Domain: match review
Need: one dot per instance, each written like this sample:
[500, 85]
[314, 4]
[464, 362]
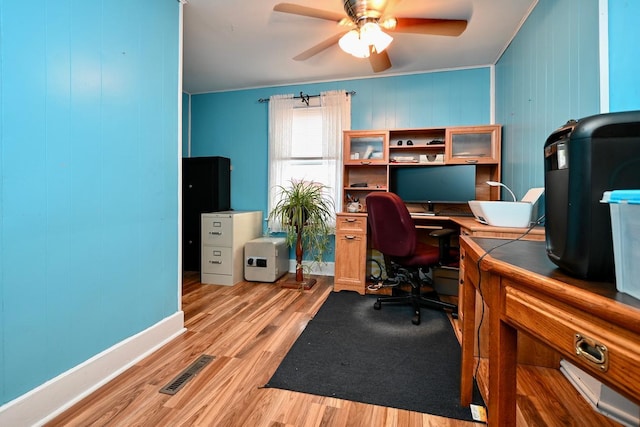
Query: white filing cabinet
[223, 237]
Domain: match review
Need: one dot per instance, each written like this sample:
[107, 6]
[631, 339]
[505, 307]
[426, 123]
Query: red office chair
[394, 234]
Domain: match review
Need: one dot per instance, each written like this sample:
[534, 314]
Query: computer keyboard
[453, 213]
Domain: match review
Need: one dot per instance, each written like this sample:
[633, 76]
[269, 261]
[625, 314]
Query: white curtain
[336, 117]
[280, 141]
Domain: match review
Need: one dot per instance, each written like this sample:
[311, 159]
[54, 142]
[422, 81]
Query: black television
[431, 185]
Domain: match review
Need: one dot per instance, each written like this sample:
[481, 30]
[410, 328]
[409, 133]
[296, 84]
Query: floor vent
[187, 374]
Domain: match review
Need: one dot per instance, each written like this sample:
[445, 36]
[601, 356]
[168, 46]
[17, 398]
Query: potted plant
[305, 212]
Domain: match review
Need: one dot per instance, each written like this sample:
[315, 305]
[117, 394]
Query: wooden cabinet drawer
[351, 224]
[610, 352]
[351, 252]
[350, 267]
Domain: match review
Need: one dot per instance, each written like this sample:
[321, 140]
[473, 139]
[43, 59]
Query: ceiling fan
[363, 34]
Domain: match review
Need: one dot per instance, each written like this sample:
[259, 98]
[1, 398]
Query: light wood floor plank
[249, 328]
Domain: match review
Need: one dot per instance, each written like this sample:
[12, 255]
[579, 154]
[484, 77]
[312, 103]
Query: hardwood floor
[249, 328]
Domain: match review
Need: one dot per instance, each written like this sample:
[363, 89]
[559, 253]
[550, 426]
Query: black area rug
[351, 351]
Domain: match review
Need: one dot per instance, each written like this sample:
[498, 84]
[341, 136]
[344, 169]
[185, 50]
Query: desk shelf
[368, 155]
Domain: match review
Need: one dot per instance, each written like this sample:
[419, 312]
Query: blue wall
[624, 55]
[89, 171]
[548, 75]
[235, 125]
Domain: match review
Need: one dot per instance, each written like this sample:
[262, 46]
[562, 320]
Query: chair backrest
[393, 231]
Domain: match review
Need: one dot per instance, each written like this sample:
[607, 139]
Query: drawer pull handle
[215, 262]
[216, 233]
[350, 220]
[471, 161]
[592, 351]
[349, 236]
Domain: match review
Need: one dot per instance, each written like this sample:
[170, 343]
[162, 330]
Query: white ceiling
[230, 45]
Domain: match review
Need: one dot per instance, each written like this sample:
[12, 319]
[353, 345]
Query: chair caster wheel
[416, 319]
[377, 305]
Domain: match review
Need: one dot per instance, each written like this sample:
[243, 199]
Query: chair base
[416, 300]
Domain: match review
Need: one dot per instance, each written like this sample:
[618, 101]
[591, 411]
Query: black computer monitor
[430, 185]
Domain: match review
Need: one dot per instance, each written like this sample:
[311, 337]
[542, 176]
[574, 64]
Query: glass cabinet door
[473, 144]
[365, 147]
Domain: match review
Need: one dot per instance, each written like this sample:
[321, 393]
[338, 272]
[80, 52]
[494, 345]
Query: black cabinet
[206, 187]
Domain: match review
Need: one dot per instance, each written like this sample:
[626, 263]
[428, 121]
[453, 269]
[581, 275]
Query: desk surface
[530, 258]
[471, 224]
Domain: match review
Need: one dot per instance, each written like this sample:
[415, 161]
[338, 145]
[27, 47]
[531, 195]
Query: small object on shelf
[431, 158]
[409, 142]
[368, 152]
[359, 184]
[353, 207]
[400, 143]
[435, 142]
[404, 159]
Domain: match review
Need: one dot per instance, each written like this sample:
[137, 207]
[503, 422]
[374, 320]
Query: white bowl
[502, 214]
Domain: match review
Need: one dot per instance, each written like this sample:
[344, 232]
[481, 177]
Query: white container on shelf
[625, 229]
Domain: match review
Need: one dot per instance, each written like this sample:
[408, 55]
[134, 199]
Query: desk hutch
[369, 155]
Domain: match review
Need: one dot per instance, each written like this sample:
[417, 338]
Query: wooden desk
[588, 323]
[352, 243]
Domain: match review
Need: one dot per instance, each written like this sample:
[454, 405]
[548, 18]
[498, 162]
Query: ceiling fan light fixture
[389, 23]
[357, 42]
[353, 44]
[372, 35]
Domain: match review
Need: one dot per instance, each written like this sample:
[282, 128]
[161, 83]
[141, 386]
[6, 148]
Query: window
[306, 161]
[305, 142]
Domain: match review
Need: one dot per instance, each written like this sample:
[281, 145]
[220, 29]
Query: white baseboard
[319, 269]
[50, 399]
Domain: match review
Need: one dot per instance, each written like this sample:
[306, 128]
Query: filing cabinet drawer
[217, 230]
[217, 260]
[351, 224]
[593, 344]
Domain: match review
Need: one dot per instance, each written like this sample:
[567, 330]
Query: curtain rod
[304, 97]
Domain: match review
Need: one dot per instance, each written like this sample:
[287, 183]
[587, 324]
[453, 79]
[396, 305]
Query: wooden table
[352, 242]
[588, 323]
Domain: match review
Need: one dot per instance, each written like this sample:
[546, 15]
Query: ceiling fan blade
[318, 48]
[311, 12]
[379, 61]
[439, 27]
[391, 4]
